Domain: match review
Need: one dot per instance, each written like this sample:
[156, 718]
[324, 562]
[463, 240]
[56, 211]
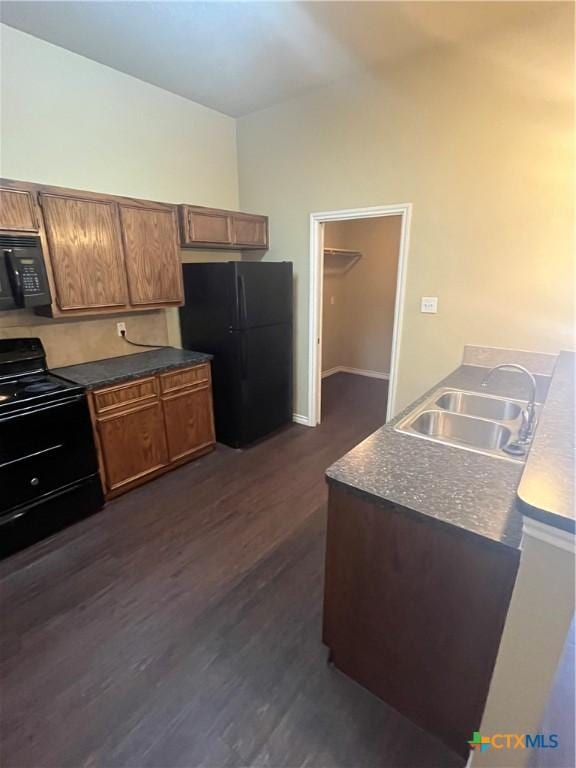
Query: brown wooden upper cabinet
[226, 230]
[17, 210]
[86, 255]
[205, 226]
[250, 231]
[106, 253]
[151, 252]
[103, 253]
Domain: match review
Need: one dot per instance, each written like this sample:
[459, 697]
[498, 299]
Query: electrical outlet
[120, 328]
[332, 300]
[429, 304]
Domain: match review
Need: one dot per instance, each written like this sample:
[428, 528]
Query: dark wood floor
[181, 626]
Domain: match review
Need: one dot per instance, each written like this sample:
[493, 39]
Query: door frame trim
[317, 220]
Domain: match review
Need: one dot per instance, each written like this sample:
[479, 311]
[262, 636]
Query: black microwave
[23, 281]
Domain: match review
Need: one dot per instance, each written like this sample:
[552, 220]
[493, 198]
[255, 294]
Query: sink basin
[473, 404]
[473, 421]
[464, 430]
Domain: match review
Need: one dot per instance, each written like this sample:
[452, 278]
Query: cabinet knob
[34, 481]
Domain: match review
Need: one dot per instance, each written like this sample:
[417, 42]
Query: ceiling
[239, 57]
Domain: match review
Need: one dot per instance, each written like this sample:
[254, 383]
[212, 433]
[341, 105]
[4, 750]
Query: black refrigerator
[241, 312]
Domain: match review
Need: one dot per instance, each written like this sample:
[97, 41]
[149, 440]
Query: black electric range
[48, 467]
[17, 392]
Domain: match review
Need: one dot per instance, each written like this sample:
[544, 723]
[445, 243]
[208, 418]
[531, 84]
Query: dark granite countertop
[546, 490]
[471, 491]
[114, 370]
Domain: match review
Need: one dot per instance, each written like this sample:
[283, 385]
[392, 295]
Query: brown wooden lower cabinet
[133, 444]
[145, 427]
[414, 611]
[189, 423]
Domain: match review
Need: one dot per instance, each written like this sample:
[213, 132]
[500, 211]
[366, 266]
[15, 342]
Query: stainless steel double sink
[483, 423]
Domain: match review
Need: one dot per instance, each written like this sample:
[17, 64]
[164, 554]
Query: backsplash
[538, 362]
[81, 340]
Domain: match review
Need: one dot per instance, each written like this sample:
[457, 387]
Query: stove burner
[42, 386]
[26, 381]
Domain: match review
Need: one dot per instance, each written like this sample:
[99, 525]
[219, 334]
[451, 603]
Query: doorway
[323, 230]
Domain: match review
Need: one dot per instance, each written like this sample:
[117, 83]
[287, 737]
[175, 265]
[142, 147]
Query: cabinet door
[208, 226]
[250, 231]
[17, 211]
[152, 257]
[189, 421]
[133, 444]
[85, 252]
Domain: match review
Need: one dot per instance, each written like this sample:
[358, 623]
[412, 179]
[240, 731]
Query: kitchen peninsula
[423, 547]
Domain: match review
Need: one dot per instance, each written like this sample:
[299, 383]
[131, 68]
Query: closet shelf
[338, 261]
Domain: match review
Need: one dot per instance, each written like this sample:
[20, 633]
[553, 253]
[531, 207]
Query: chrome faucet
[529, 413]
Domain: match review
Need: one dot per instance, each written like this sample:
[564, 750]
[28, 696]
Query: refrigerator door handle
[242, 301]
[243, 357]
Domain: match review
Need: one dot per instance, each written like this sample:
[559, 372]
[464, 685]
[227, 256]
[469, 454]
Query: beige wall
[357, 328]
[480, 140]
[69, 121]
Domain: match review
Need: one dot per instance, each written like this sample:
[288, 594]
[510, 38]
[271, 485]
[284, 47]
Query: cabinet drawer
[125, 394]
[184, 377]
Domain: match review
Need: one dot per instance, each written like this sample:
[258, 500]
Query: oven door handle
[41, 408]
[14, 516]
[31, 455]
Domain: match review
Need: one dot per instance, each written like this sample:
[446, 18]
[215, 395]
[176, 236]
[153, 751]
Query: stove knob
[34, 481]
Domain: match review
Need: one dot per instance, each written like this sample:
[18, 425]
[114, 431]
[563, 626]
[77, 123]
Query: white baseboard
[299, 419]
[331, 371]
[356, 371]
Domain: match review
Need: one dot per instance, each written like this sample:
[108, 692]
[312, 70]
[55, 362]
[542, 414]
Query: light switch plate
[429, 304]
